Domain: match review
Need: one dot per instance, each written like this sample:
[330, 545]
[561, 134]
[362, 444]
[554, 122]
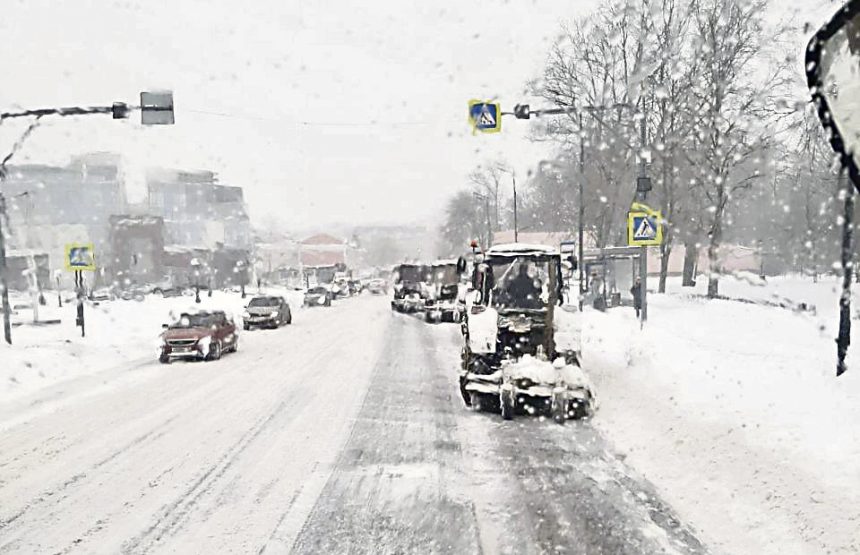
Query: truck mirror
[461, 265]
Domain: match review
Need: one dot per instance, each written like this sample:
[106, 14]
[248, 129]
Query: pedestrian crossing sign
[485, 117]
[80, 257]
[644, 228]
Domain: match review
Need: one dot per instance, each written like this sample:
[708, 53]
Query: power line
[310, 123]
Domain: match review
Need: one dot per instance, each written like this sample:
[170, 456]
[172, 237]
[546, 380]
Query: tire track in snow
[175, 513]
[51, 494]
[389, 491]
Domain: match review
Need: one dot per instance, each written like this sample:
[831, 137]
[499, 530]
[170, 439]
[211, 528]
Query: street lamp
[195, 263]
[240, 268]
[486, 199]
[514, 182]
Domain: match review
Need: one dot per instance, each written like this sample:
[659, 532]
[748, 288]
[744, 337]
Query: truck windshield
[445, 274]
[519, 282]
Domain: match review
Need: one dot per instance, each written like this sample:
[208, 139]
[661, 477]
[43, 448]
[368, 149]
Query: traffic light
[120, 110]
[521, 111]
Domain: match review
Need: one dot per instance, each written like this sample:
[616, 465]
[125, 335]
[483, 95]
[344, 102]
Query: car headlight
[246, 315]
[273, 314]
[321, 300]
[203, 343]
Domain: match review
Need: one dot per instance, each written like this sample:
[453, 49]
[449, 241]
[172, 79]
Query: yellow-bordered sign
[644, 226]
[80, 256]
[485, 116]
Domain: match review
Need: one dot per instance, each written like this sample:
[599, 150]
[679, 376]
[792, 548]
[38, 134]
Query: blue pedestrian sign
[644, 229]
[485, 117]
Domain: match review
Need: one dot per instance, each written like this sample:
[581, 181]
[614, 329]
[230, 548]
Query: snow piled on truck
[735, 404]
[545, 372]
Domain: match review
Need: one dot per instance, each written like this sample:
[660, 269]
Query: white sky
[268, 65]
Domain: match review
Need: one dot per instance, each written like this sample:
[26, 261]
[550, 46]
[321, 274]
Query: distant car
[267, 312]
[171, 292]
[377, 287]
[318, 296]
[133, 293]
[102, 294]
[198, 335]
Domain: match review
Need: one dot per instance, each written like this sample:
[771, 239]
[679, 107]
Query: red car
[200, 335]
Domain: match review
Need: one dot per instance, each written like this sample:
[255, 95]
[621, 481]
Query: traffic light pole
[155, 108]
[643, 194]
[4, 282]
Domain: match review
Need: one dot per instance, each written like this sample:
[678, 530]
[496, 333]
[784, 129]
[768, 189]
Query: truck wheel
[579, 409]
[477, 401]
[559, 407]
[507, 401]
[467, 398]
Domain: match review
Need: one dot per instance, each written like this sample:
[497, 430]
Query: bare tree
[730, 95]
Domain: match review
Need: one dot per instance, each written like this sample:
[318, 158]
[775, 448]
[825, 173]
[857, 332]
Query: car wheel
[164, 359]
[214, 351]
[246, 327]
[235, 346]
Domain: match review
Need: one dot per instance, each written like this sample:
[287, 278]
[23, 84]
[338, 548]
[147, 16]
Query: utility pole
[581, 219]
[4, 282]
[486, 199]
[516, 230]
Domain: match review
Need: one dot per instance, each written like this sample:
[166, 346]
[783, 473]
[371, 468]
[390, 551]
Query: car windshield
[200, 320]
[430, 277]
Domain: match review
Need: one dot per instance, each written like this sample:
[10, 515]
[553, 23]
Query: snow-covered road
[341, 433]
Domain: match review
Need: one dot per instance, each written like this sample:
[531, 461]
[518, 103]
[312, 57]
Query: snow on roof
[513, 249]
[322, 239]
[12, 253]
[445, 262]
[321, 258]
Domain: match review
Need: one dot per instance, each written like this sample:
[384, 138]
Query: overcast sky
[328, 111]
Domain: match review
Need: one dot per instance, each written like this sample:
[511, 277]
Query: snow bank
[734, 412]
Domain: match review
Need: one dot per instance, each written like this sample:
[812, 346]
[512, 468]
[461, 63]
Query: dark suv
[267, 312]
